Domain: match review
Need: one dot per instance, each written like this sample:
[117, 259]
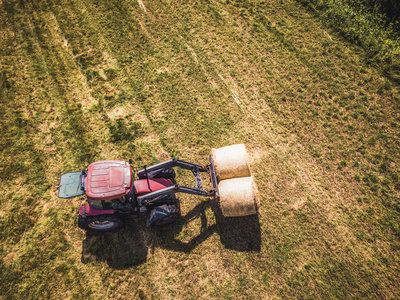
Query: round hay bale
[238, 197]
[231, 162]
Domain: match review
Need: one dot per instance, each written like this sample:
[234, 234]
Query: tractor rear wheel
[99, 223]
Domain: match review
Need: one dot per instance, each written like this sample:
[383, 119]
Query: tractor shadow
[128, 246]
[123, 248]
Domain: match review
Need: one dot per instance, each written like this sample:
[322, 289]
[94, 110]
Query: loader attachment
[71, 185]
[213, 177]
[233, 184]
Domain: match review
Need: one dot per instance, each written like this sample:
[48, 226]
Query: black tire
[173, 215]
[99, 223]
[166, 220]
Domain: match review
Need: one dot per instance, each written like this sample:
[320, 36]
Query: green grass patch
[87, 80]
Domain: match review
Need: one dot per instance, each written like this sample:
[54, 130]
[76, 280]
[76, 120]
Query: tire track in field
[241, 100]
[258, 110]
[259, 119]
[194, 55]
[289, 178]
[55, 89]
[29, 107]
[141, 4]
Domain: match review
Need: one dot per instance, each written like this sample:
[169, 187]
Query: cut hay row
[82, 81]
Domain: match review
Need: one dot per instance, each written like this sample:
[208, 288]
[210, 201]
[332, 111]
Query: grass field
[147, 79]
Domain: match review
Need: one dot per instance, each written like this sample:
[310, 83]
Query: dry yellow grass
[149, 80]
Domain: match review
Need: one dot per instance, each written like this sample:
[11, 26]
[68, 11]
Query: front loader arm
[172, 190]
[149, 172]
[170, 164]
[195, 168]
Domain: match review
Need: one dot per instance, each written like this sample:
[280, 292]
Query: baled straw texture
[231, 162]
[238, 197]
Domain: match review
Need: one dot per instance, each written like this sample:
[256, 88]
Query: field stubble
[150, 80]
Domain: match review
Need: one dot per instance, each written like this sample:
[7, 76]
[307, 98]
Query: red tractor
[113, 192]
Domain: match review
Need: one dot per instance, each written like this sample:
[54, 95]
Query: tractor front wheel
[99, 223]
[171, 218]
[163, 215]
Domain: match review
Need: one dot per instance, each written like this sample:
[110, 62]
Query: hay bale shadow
[238, 233]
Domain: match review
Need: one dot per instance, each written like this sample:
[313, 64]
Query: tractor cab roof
[108, 179]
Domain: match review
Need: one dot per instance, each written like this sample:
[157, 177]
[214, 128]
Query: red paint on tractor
[90, 211]
[141, 186]
[108, 179]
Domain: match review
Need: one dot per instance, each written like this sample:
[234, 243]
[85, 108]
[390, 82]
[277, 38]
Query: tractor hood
[71, 185]
[108, 179]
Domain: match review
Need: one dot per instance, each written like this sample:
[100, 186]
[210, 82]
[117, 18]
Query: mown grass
[89, 80]
[370, 24]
